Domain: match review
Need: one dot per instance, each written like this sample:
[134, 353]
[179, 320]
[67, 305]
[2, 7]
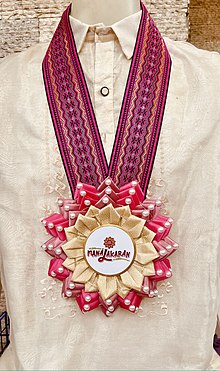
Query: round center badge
[109, 250]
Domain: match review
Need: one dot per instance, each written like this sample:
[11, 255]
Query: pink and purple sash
[141, 113]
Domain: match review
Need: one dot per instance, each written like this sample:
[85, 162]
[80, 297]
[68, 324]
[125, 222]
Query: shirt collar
[126, 31]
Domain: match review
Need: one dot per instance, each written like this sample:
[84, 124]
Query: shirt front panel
[105, 65]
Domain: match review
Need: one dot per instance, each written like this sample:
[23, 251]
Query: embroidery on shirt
[52, 307]
[159, 306]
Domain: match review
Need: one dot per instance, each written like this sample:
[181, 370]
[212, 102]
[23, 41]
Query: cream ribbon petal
[85, 224]
[145, 253]
[122, 290]
[133, 225]
[82, 272]
[148, 234]
[132, 278]
[93, 212]
[142, 240]
[76, 253]
[123, 211]
[149, 270]
[75, 243]
[107, 286]
[79, 259]
[91, 285]
[69, 264]
[70, 232]
[108, 215]
[138, 266]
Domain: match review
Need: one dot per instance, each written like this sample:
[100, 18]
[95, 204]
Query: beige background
[204, 18]
[26, 22]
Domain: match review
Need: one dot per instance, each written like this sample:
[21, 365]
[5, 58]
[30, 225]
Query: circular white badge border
[125, 270]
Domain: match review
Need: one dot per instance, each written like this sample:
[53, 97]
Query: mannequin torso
[106, 11]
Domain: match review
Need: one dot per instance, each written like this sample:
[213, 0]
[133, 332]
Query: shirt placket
[103, 91]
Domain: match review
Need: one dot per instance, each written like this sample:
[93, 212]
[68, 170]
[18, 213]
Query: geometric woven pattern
[141, 113]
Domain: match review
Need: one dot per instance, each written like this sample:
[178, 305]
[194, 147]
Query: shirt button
[104, 91]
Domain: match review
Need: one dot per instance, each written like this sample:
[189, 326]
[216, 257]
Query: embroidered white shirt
[173, 331]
